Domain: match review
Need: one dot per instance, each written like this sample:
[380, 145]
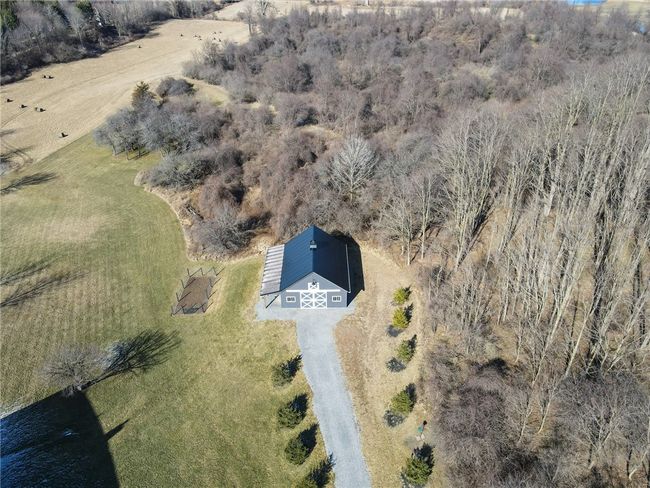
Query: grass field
[82, 93]
[206, 416]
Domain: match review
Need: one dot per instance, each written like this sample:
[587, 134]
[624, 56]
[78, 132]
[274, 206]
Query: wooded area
[38, 33]
[507, 156]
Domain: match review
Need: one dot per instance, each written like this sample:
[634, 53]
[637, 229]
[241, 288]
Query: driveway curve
[332, 403]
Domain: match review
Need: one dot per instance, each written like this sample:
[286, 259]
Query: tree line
[35, 33]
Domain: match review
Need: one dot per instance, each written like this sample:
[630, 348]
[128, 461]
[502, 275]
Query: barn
[310, 271]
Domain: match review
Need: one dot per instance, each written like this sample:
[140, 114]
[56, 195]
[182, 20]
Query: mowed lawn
[206, 416]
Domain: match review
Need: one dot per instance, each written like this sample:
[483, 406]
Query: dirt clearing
[195, 293]
[81, 94]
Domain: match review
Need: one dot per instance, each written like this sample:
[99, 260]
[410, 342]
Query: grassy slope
[207, 415]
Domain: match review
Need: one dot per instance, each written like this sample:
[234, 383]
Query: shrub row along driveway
[332, 403]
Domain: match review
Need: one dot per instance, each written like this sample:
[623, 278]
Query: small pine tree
[419, 467]
[400, 318]
[402, 403]
[291, 414]
[296, 452]
[417, 471]
[406, 350]
[141, 95]
[281, 374]
[319, 475]
[401, 295]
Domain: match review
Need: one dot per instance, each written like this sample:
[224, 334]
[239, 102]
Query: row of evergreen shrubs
[401, 405]
[419, 466]
[401, 320]
[289, 416]
[402, 314]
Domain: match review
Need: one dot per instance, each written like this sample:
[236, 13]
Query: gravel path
[332, 403]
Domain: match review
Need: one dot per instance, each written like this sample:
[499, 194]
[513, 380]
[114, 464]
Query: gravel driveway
[332, 403]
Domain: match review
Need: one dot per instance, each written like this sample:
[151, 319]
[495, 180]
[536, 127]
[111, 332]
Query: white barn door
[313, 297]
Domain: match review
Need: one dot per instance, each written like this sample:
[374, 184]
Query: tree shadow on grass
[322, 472]
[140, 353]
[308, 437]
[28, 180]
[300, 403]
[408, 310]
[30, 291]
[58, 442]
[24, 271]
[293, 365]
[394, 365]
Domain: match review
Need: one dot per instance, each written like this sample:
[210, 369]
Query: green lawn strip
[206, 417]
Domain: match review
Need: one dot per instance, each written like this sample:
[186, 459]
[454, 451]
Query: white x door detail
[313, 299]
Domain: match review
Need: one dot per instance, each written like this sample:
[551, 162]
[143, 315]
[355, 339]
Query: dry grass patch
[72, 229]
[83, 93]
[365, 347]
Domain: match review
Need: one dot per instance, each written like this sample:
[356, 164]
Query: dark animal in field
[181, 35]
[63, 134]
[22, 105]
[50, 77]
[9, 100]
[139, 46]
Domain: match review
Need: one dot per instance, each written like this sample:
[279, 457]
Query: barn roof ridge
[329, 259]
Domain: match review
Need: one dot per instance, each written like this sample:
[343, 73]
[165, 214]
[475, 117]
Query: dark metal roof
[329, 259]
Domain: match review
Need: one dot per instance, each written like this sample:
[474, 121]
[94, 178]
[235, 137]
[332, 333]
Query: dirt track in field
[83, 93]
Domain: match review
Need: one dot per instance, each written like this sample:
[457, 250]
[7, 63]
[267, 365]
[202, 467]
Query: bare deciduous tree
[73, 368]
[264, 7]
[468, 153]
[398, 216]
[225, 233]
[472, 296]
[351, 168]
